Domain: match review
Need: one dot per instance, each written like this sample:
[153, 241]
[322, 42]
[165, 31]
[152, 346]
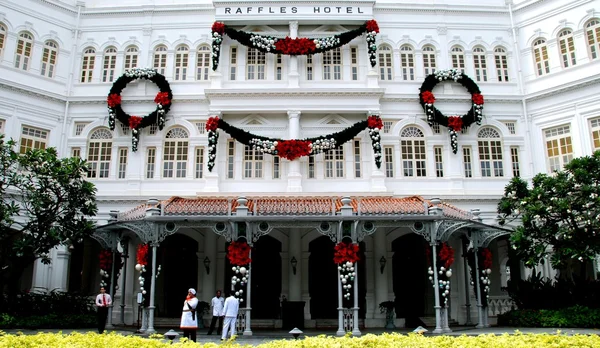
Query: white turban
[192, 291]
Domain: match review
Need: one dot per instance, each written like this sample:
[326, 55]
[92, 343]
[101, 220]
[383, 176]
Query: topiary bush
[576, 316]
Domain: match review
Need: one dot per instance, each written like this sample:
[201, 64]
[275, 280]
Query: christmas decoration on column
[141, 262]
[444, 260]
[106, 259]
[346, 256]
[484, 266]
[238, 254]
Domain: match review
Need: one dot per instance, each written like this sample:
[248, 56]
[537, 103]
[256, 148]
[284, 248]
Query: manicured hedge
[577, 316]
[49, 321]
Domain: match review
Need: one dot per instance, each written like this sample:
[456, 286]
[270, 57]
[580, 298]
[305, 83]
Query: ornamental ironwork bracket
[446, 229]
[107, 239]
[363, 229]
[260, 229]
[326, 228]
[482, 238]
[143, 229]
[223, 229]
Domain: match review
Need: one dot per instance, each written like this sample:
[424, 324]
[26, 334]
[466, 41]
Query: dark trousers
[102, 315]
[190, 334]
[212, 325]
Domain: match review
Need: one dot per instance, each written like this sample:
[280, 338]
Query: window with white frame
[278, 67]
[122, 172]
[33, 138]
[559, 147]
[566, 46]
[150, 162]
[429, 63]
[592, 30]
[230, 158]
[182, 54]
[159, 59]
[152, 129]
[480, 63]
[354, 62]
[512, 128]
[467, 162]
[514, 160]
[595, 127]
[131, 57]
[458, 58]
[199, 163]
[490, 152]
[311, 167]
[202, 62]
[233, 63]
[387, 126]
[386, 70]
[109, 64]
[388, 158]
[87, 64]
[309, 68]
[439, 161]
[175, 156]
[501, 60]
[255, 64]
[76, 152]
[49, 56]
[412, 147]
[334, 163]
[2, 122]
[79, 127]
[2, 38]
[436, 128]
[200, 126]
[253, 163]
[276, 167]
[357, 158]
[23, 51]
[99, 153]
[540, 54]
[125, 129]
[332, 64]
[407, 61]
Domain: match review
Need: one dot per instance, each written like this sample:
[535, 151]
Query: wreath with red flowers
[238, 253]
[163, 103]
[454, 123]
[293, 148]
[294, 46]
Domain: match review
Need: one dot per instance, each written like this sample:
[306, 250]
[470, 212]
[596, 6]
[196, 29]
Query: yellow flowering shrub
[516, 340]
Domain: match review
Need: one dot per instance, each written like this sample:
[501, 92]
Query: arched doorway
[84, 267]
[322, 279]
[266, 278]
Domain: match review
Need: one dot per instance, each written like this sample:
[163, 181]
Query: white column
[381, 279]
[436, 292]
[294, 247]
[209, 278]
[293, 76]
[248, 329]
[581, 47]
[341, 331]
[294, 175]
[480, 323]
[150, 329]
[355, 329]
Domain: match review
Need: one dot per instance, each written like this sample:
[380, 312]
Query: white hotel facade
[537, 63]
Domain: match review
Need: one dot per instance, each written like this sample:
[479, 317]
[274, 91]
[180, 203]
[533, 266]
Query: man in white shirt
[103, 301]
[230, 312]
[216, 303]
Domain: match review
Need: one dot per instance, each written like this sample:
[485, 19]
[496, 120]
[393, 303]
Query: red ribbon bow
[298, 46]
[447, 255]
[162, 98]
[292, 149]
[142, 254]
[477, 99]
[212, 124]
[134, 121]
[238, 253]
[374, 122]
[218, 27]
[372, 26]
[428, 97]
[113, 100]
[455, 123]
[346, 252]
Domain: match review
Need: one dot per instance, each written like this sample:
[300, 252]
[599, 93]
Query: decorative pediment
[254, 120]
[333, 119]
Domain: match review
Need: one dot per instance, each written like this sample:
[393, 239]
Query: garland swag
[454, 123]
[293, 47]
[293, 148]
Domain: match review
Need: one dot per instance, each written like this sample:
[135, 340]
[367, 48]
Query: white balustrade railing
[499, 305]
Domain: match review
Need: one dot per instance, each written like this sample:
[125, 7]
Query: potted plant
[202, 308]
[388, 307]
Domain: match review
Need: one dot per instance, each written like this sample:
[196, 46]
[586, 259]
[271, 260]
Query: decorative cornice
[579, 84]
[294, 93]
[418, 7]
[144, 10]
[30, 90]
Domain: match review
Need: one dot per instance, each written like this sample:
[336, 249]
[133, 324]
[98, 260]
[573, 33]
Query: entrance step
[429, 322]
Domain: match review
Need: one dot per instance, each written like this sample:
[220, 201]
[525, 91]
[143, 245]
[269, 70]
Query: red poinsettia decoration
[346, 252]
[162, 98]
[477, 99]
[455, 123]
[374, 122]
[372, 26]
[295, 47]
[212, 124]
[113, 100]
[134, 121]
[218, 27]
[428, 97]
[105, 258]
[238, 253]
[292, 149]
[142, 254]
[447, 255]
[487, 258]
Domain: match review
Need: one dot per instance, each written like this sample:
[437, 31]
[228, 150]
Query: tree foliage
[46, 201]
[558, 213]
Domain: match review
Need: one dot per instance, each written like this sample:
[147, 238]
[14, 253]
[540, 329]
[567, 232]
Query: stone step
[430, 322]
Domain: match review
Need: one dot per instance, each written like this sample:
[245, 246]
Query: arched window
[2, 38]
[490, 152]
[131, 57]
[480, 63]
[160, 59]
[386, 70]
[407, 61]
[412, 146]
[87, 64]
[175, 156]
[458, 58]
[429, 59]
[255, 64]
[332, 64]
[203, 63]
[501, 64]
[567, 48]
[23, 53]
[182, 54]
[49, 59]
[540, 54]
[592, 30]
[109, 64]
[99, 153]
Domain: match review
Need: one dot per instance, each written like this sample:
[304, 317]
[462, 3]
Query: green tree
[558, 214]
[45, 203]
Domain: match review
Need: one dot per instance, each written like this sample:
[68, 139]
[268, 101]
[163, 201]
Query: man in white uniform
[230, 312]
[216, 303]
[103, 301]
[189, 319]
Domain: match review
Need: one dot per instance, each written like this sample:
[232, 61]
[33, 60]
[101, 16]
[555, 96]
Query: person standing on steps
[230, 312]
[189, 320]
[217, 304]
[103, 301]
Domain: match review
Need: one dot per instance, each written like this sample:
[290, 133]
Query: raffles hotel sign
[229, 10]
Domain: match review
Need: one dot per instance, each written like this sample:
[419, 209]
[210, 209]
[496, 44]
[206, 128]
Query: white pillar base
[212, 182]
[372, 79]
[293, 80]
[378, 181]
[294, 182]
[216, 79]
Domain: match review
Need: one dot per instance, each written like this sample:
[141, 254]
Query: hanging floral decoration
[141, 257]
[484, 265]
[105, 259]
[135, 123]
[238, 254]
[293, 47]
[346, 255]
[444, 260]
[454, 123]
[293, 148]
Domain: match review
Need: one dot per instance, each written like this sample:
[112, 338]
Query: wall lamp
[294, 263]
[207, 264]
[382, 262]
